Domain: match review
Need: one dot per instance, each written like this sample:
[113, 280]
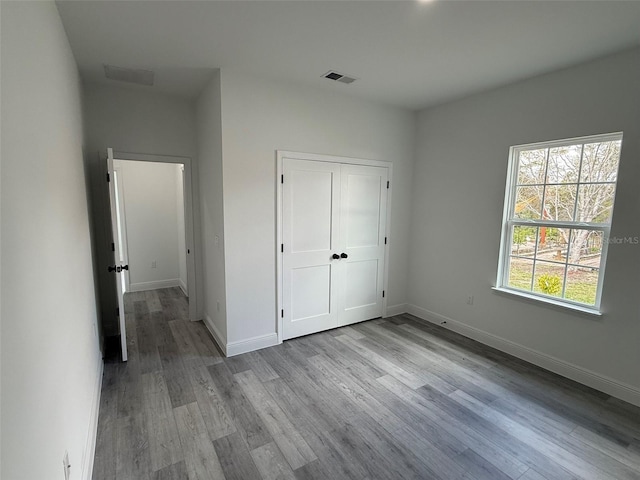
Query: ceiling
[406, 53]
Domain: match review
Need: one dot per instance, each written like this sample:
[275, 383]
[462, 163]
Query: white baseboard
[395, 310]
[183, 287]
[143, 286]
[243, 346]
[92, 435]
[579, 374]
[251, 344]
[217, 335]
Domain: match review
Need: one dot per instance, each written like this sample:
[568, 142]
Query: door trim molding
[190, 217]
[280, 156]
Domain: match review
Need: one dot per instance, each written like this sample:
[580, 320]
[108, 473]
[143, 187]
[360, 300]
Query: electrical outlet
[66, 465]
[154, 264]
[470, 300]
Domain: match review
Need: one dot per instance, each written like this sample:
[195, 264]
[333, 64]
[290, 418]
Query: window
[557, 215]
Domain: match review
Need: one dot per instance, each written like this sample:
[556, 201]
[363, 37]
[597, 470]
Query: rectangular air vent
[129, 75]
[339, 77]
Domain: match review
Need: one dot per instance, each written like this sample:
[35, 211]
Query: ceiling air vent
[129, 75]
[339, 77]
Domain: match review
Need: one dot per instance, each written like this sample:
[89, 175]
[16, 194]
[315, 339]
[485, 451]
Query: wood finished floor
[384, 399]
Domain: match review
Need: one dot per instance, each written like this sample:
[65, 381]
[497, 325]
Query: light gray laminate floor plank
[388, 398]
[249, 424]
[200, 456]
[235, 458]
[133, 442]
[177, 471]
[216, 416]
[271, 464]
[291, 444]
[164, 443]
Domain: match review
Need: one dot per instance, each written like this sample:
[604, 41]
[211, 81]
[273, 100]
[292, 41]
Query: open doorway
[153, 231]
[151, 225]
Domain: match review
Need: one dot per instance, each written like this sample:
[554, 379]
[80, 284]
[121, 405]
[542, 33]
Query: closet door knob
[335, 256]
[343, 255]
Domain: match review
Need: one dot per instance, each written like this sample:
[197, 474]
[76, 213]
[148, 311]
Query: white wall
[51, 360]
[209, 156]
[459, 184]
[182, 247]
[150, 200]
[260, 116]
[135, 121]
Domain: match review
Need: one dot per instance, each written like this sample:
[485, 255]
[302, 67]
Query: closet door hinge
[282, 248]
[108, 177]
[282, 313]
[382, 293]
[113, 247]
[385, 240]
[282, 178]
[387, 183]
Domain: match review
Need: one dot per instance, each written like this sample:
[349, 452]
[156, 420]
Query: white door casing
[331, 209]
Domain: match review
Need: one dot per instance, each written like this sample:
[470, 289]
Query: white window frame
[509, 221]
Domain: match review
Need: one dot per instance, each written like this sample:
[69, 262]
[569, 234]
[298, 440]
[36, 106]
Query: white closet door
[363, 211]
[310, 200]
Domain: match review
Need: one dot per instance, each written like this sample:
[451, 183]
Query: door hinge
[113, 247]
[282, 313]
[117, 311]
[188, 251]
[382, 293]
[387, 183]
[282, 248]
[108, 177]
[281, 178]
[385, 240]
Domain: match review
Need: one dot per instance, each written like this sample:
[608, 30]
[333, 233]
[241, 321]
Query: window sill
[550, 301]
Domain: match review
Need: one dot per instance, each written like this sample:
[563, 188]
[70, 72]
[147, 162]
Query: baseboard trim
[251, 344]
[183, 287]
[144, 286]
[217, 335]
[581, 375]
[393, 310]
[92, 434]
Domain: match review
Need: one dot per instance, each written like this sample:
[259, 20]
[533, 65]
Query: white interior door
[121, 234]
[310, 198]
[117, 267]
[363, 219]
[333, 244]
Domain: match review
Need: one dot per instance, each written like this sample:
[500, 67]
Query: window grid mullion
[575, 205]
[544, 187]
[566, 262]
[535, 258]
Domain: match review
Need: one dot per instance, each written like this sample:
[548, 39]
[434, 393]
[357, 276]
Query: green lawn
[581, 284]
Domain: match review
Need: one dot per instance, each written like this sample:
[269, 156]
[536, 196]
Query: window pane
[564, 164]
[548, 279]
[552, 244]
[595, 202]
[559, 202]
[520, 272]
[528, 202]
[600, 162]
[531, 166]
[585, 247]
[582, 285]
[523, 240]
